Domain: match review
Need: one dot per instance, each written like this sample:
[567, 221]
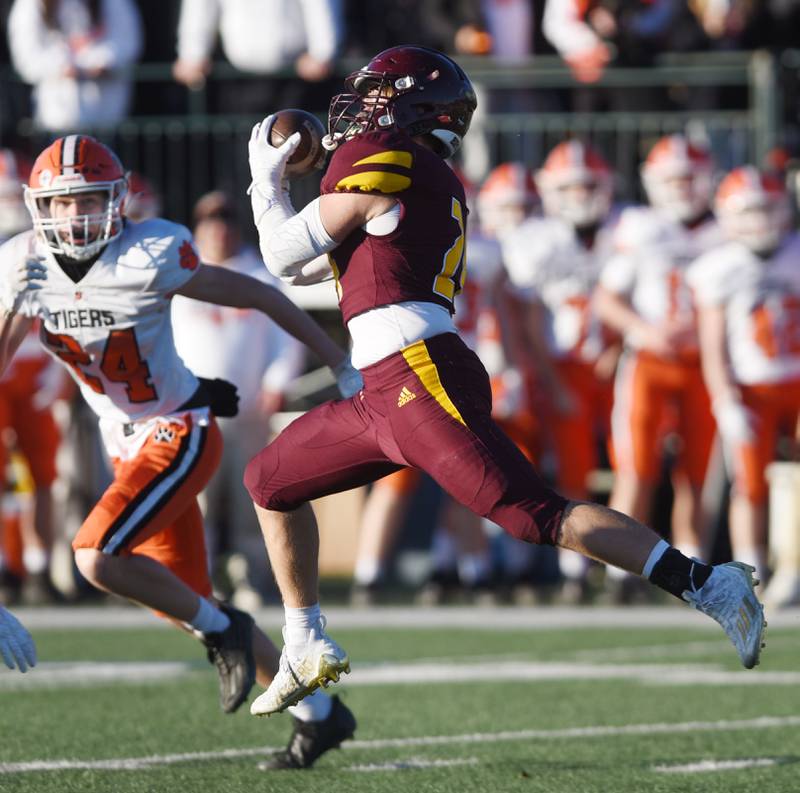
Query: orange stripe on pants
[151, 506]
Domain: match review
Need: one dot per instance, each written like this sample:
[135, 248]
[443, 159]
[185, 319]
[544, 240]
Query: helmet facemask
[78, 237]
[417, 90]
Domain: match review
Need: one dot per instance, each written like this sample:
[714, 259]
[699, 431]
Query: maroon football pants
[428, 406]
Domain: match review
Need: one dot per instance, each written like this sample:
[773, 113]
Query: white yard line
[704, 766]
[663, 728]
[83, 673]
[466, 617]
[413, 763]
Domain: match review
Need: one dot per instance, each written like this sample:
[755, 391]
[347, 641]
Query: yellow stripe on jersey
[418, 358]
[401, 158]
[379, 181]
[335, 268]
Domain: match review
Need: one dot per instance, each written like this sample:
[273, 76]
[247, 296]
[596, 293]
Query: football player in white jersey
[643, 295]
[748, 292]
[102, 288]
[246, 348]
[554, 263]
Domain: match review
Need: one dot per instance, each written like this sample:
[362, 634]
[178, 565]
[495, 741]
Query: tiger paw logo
[164, 435]
[405, 397]
[188, 256]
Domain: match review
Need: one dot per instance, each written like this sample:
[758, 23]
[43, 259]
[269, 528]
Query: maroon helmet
[416, 89]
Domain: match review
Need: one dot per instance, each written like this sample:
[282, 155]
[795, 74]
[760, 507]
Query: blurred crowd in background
[596, 319]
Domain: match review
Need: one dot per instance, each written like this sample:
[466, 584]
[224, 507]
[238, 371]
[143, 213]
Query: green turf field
[578, 709]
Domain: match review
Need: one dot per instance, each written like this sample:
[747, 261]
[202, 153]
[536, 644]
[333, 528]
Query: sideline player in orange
[554, 263]
[27, 390]
[643, 295]
[102, 288]
[390, 228]
[748, 291]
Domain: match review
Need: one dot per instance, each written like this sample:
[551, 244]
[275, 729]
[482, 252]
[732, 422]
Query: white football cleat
[728, 596]
[319, 662]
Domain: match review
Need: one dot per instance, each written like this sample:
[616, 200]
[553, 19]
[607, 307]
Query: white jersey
[484, 268]
[548, 263]
[112, 328]
[649, 267]
[761, 299]
[242, 346]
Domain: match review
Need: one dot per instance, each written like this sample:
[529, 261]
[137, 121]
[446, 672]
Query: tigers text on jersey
[649, 267]
[112, 328]
[761, 299]
[547, 262]
[422, 259]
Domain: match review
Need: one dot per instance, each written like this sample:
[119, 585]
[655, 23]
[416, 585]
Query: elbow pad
[296, 242]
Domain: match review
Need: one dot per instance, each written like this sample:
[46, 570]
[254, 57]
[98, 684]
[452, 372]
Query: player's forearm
[297, 323]
[714, 356]
[616, 312]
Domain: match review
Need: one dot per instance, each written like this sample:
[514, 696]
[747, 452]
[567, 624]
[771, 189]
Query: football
[310, 154]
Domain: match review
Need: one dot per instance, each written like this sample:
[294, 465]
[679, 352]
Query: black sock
[675, 573]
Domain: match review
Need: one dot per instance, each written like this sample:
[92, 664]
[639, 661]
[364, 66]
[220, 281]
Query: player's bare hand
[268, 163]
[26, 277]
[16, 644]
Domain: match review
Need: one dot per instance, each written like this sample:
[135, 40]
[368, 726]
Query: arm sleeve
[35, 52]
[564, 28]
[197, 29]
[324, 27]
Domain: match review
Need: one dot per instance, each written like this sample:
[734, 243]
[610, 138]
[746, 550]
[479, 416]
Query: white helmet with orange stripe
[576, 184]
[677, 176]
[78, 170]
[753, 207]
[506, 198]
[14, 171]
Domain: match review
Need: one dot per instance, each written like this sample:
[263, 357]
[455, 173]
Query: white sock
[299, 622]
[209, 619]
[315, 707]
[661, 547]
[367, 571]
[36, 560]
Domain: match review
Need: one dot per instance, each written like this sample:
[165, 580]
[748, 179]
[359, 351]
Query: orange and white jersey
[761, 299]
[112, 328]
[484, 268]
[548, 263]
[653, 253]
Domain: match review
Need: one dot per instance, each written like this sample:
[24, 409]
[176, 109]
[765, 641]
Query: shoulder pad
[374, 162]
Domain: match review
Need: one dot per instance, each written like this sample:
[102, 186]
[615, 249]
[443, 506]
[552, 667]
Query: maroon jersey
[423, 259]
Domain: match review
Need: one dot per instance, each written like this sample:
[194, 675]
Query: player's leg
[327, 450]
[451, 422]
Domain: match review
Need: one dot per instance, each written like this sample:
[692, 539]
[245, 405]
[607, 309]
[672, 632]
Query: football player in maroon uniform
[389, 228]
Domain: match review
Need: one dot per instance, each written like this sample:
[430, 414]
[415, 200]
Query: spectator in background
[251, 351]
[77, 55]
[262, 37]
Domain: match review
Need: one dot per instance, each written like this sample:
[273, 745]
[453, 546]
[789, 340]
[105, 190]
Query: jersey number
[778, 335]
[121, 363]
[450, 279]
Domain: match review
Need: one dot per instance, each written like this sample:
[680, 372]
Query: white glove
[348, 379]
[736, 423]
[26, 276]
[267, 163]
[16, 644]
